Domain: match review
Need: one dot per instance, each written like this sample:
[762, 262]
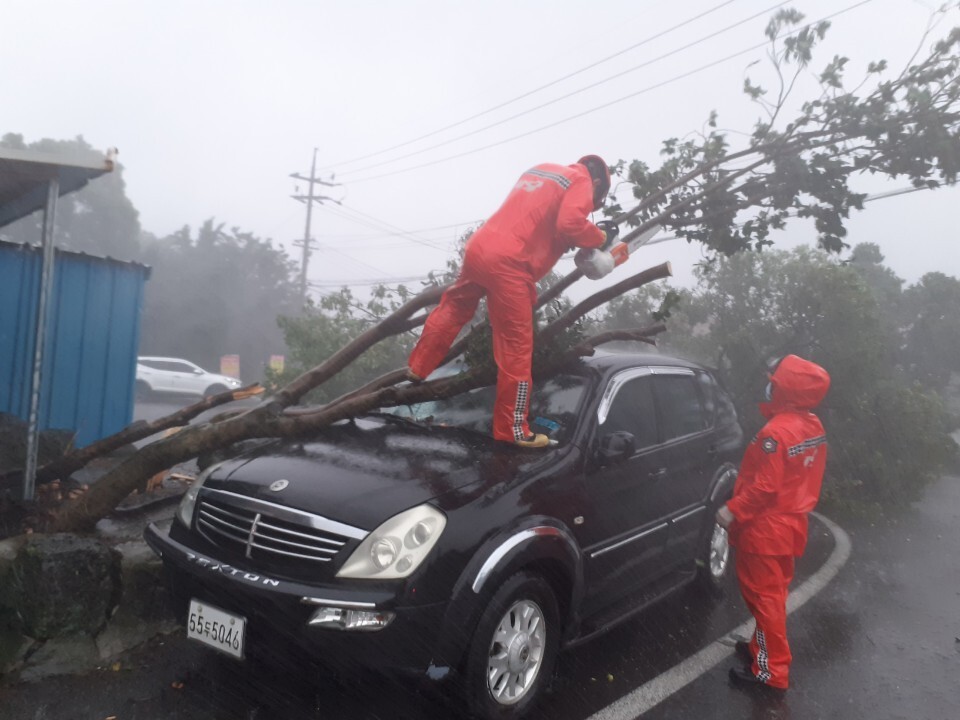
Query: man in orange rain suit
[777, 486]
[544, 216]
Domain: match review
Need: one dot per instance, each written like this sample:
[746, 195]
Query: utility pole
[309, 199]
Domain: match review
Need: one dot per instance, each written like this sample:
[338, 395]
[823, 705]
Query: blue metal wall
[91, 341]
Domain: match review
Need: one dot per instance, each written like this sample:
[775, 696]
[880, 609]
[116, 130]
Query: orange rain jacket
[544, 216]
[782, 469]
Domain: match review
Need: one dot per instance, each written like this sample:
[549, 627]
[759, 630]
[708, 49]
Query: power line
[380, 225]
[413, 278]
[868, 198]
[356, 260]
[399, 230]
[603, 81]
[368, 282]
[418, 230]
[605, 105]
[535, 90]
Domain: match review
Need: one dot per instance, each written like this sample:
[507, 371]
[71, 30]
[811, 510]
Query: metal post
[306, 232]
[46, 278]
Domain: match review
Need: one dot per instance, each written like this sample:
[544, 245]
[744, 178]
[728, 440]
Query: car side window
[708, 394]
[180, 367]
[633, 410]
[681, 411]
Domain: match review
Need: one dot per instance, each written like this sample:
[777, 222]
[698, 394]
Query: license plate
[217, 628]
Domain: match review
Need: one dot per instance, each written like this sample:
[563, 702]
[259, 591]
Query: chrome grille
[270, 533]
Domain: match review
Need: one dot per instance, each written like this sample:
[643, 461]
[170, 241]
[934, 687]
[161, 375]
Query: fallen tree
[727, 200]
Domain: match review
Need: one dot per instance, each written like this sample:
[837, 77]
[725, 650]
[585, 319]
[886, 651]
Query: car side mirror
[198, 371]
[616, 447]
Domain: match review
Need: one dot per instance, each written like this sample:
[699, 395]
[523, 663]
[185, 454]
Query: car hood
[362, 472]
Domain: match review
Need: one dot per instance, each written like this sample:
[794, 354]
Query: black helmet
[598, 171]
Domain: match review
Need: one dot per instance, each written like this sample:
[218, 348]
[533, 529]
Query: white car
[175, 375]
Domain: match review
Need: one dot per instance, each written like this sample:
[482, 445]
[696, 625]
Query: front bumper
[278, 612]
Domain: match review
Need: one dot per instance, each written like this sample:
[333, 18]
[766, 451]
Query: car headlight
[189, 499]
[398, 546]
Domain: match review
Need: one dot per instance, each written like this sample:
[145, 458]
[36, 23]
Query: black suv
[409, 540]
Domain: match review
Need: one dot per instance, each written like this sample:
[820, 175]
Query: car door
[186, 377]
[158, 375]
[686, 420]
[626, 534]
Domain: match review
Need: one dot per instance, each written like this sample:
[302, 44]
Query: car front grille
[270, 536]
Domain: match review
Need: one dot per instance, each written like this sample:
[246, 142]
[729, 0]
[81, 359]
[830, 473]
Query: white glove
[724, 517]
[595, 264]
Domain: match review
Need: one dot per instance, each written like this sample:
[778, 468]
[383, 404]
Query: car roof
[608, 361]
[156, 357]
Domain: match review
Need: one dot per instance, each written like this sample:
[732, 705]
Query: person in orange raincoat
[544, 216]
[777, 486]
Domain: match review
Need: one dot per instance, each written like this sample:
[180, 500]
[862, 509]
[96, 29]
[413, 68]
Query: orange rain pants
[764, 580]
[510, 299]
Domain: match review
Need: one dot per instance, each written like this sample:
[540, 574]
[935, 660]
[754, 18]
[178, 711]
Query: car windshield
[555, 407]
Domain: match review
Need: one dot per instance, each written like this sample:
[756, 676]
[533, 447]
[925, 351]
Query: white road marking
[679, 676]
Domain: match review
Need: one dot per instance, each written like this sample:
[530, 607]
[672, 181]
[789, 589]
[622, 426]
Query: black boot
[744, 678]
[742, 651]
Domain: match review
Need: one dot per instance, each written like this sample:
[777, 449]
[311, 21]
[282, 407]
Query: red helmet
[598, 171]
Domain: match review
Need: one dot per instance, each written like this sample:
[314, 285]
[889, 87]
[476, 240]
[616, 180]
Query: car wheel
[215, 390]
[715, 561]
[141, 390]
[514, 649]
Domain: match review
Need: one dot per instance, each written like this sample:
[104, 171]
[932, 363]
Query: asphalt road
[878, 642]
[881, 640]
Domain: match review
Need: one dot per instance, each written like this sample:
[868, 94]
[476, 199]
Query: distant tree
[932, 329]
[217, 293]
[883, 283]
[323, 328]
[888, 436]
[99, 219]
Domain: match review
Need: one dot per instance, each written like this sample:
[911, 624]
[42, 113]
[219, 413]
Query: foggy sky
[213, 104]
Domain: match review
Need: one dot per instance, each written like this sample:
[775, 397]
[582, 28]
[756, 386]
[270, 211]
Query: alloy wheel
[719, 552]
[516, 652]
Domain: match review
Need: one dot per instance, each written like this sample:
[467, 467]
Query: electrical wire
[604, 106]
[370, 282]
[367, 282]
[591, 86]
[534, 91]
[379, 225]
[390, 234]
[869, 198]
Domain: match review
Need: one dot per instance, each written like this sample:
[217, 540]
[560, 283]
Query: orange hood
[796, 384]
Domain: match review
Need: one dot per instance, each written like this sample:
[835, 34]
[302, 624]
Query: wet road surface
[881, 641]
[174, 678]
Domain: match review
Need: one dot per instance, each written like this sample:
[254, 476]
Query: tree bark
[274, 418]
[63, 466]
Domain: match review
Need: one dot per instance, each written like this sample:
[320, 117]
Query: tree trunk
[275, 419]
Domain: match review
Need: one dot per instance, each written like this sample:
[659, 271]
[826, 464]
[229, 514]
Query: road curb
[143, 612]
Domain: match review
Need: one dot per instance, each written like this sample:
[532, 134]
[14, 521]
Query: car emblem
[278, 485]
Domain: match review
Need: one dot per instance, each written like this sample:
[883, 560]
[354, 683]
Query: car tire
[715, 561]
[141, 390]
[215, 390]
[514, 649]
